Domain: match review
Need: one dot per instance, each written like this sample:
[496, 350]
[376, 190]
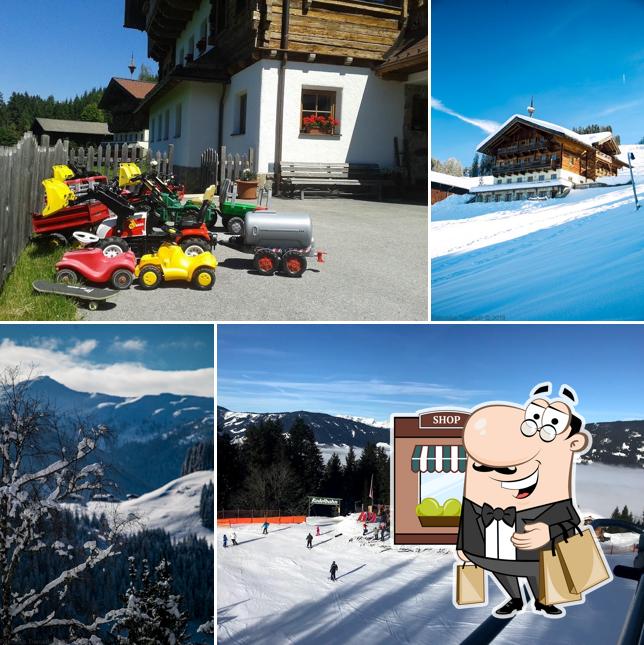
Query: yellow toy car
[171, 263]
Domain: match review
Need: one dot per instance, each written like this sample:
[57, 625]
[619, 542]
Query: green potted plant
[247, 184]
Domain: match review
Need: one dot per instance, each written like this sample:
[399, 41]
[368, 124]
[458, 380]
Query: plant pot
[247, 189]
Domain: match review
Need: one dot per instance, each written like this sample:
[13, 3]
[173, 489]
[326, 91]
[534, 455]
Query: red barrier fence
[284, 519]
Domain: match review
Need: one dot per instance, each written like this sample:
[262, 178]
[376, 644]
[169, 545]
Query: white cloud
[129, 345]
[489, 127]
[81, 348]
[120, 379]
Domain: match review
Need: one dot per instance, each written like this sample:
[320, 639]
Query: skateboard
[91, 295]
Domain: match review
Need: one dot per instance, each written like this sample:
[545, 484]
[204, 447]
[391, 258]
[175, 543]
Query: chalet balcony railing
[603, 157]
[524, 167]
[525, 147]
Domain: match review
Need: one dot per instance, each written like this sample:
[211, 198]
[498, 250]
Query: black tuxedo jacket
[471, 530]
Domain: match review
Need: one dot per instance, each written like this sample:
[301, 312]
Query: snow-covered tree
[152, 612]
[43, 464]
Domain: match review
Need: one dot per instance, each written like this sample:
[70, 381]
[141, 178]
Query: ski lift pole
[630, 167]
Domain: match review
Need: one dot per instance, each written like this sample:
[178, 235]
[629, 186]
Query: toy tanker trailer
[281, 241]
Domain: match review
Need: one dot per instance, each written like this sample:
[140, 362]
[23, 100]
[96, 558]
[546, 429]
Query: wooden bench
[331, 178]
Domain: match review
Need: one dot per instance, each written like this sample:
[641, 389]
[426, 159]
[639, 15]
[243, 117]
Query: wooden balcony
[525, 147]
[520, 167]
[603, 157]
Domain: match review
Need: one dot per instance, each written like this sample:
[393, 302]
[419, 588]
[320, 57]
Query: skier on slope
[225, 540]
[317, 531]
[364, 528]
[334, 568]
[309, 541]
[234, 539]
[265, 526]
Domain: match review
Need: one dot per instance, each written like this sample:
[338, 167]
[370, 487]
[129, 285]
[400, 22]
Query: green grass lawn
[19, 301]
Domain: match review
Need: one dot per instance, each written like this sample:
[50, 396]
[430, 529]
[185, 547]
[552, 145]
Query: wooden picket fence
[22, 169]
[218, 166]
[105, 159]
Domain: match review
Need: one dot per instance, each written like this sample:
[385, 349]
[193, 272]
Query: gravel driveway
[376, 269]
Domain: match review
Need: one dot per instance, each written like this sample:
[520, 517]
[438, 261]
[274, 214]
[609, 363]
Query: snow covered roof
[584, 139]
[451, 180]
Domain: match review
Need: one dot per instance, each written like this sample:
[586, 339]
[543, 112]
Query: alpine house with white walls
[328, 81]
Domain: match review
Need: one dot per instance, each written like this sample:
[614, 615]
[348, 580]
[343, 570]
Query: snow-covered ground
[580, 257]
[174, 508]
[271, 589]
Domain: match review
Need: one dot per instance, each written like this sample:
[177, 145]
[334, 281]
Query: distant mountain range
[328, 429]
[150, 435]
[615, 442]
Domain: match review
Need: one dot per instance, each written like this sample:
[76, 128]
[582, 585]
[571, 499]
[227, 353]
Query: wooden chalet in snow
[535, 158]
[121, 99]
[252, 73]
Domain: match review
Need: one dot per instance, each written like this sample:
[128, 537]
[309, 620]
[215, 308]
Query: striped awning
[439, 459]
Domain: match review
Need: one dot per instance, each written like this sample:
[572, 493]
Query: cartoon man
[518, 488]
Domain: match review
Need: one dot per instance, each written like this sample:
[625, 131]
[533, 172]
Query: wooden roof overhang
[163, 20]
[408, 60]
[117, 96]
[449, 188]
[200, 73]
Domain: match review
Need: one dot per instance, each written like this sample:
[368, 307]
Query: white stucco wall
[199, 119]
[365, 105]
[369, 109]
[251, 82]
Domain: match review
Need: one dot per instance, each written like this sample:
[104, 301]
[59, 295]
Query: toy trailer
[281, 241]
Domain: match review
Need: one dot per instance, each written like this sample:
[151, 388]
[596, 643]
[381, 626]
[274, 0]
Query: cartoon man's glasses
[529, 428]
[547, 421]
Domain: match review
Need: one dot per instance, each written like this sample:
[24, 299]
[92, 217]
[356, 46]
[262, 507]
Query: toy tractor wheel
[203, 278]
[266, 261]
[150, 277]
[113, 246]
[122, 279]
[92, 306]
[194, 246]
[235, 226]
[67, 276]
[293, 264]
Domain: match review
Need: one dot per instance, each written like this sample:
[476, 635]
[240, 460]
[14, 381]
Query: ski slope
[271, 589]
[174, 508]
[580, 257]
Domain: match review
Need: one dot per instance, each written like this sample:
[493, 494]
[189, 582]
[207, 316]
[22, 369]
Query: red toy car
[95, 266]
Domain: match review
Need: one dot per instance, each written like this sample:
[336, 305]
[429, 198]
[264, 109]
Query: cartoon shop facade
[428, 475]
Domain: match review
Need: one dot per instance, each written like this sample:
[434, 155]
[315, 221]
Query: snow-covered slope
[271, 589]
[173, 507]
[580, 257]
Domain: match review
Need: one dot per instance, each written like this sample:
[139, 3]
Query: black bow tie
[488, 514]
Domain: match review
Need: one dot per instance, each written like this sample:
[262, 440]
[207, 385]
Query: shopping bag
[470, 585]
[553, 586]
[583, 565]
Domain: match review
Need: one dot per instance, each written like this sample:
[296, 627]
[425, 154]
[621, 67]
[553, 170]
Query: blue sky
[124, 360]
[583, 61]
[65, 48]
[376, 370]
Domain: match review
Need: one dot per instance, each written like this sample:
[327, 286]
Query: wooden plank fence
[105, 159]
[215, 171]
[22, 169]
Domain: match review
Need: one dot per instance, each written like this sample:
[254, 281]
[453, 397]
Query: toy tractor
[170, 263]
[233, 213]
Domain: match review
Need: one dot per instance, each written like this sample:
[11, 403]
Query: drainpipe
[220, 124]
[279, 114]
